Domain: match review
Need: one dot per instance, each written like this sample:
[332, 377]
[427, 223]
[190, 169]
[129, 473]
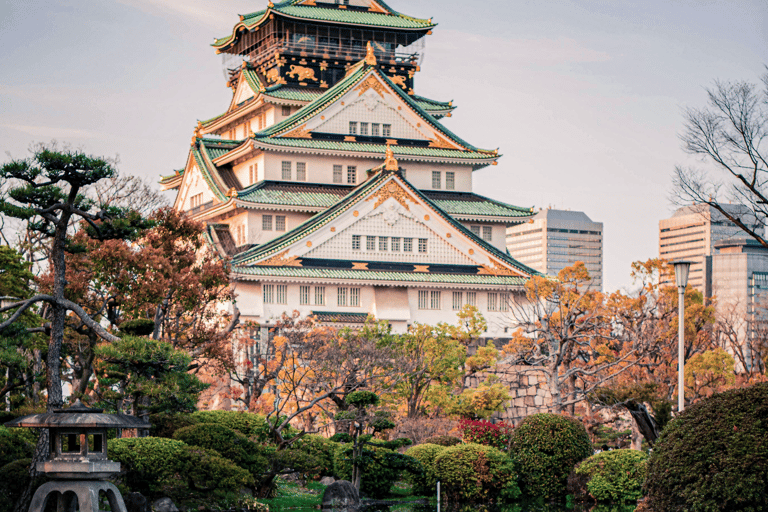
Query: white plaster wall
[243, 173]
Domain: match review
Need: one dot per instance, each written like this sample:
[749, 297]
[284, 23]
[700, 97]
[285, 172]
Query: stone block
[538, 400]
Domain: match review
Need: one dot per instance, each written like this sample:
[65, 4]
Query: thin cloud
[203, 12]
[49, 132]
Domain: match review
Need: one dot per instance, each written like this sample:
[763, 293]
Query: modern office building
[333, 188]
[555, 239]
[691, 234]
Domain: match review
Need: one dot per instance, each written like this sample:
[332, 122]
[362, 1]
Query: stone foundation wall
[528, 389]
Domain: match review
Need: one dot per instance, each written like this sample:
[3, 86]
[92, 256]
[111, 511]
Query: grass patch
[290, 496]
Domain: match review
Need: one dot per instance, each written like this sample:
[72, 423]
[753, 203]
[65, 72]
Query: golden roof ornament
[390, 163]
[370, 57]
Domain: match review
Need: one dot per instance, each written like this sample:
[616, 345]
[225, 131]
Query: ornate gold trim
[421, 268]
[394, 190]
[399, 80]
[372, 83]
[494, 269]
[359, 266]
[370, 57]
[299, 133]
[390, 163]
[440, 142]
[281, 260]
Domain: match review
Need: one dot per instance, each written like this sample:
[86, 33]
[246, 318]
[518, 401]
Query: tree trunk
[646, 424]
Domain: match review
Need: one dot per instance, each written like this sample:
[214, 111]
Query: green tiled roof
[321, 219]
[421, 277]
[203, 151]
[464, 203]
[290, 9]
[294, 194]
[287, 93]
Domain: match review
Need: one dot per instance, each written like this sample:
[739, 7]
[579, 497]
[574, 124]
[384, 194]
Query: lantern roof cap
[78, 415]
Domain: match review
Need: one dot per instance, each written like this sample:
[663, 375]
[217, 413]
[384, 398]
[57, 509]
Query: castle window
[338, 171]
[253, 171]
[281, 294]
[375, 129]
[266, 223]
[269, 293]
[279, 222]
[503, 302]
[475, 230]
[457, 303]
[450, 180]
[383, 243]
[395, 244]
[196, 200]
[434, 300]
[287, 171]
[370, 243]
[354, 297]
[493, 302]
[352, 128]
[351, 174]
[422, 245]
[363, 128]
[341, 296]
[423, 299]
[407, 244]
[487, 233]
[355, 242]
[286, 111]
[436, 179]
[471, 298]
[319, 295]
[386, 130]
[301, 171]
[304, 295]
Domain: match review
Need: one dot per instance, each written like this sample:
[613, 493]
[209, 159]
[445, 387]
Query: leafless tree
[729, 135]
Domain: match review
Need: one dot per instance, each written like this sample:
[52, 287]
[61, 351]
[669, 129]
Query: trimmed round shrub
[473, 472]
[253, 426]
[381, 468]
[157, 466]
[165, 424]
[546, 448]
[16, 443]
[426, 483]
[321, 449]
[443, 440]
[713, 456]
[230, 444]
[616, 476]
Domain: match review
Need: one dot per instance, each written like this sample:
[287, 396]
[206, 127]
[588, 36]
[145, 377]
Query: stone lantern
[78, 458]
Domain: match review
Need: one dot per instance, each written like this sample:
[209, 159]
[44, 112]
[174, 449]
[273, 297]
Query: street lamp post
[681, 279]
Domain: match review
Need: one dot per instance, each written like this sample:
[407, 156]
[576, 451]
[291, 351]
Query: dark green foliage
[138, 327]
[616, 476]
[362, 399]
[394, 444]
[165, 424]
[14, 478]
[16, 443]
[425, 484]
[714, 456]
[342, 437]
[229, 443]
[381, 468]
[254, 426]
[547, 447]
[157, 466]
[443, 440]
[471, 473]
[321, 449]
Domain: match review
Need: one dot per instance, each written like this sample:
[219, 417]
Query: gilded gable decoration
[494, 269]
[371, 83]
[302, 73]
[359, 266]
[281, 260]
[398, 80]
[299, 133]
[440, 142]
[394, 190]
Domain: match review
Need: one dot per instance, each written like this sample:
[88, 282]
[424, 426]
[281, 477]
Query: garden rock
[136, 502]
[164, 505]
[327, 480]
[341, 494]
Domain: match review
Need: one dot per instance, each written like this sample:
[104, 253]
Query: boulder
[164, 505]
[327, 480]
[341, 494]
[136, 502]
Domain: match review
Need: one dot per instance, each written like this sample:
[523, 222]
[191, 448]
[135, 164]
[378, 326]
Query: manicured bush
[714, 456]
[425, 484]
[230, 444]
[14, 478]
[616, 476]
[443, 440]
[157, 466]
[253, 426]
[476, 473]
[16, 443]
[165, 424]
[320, 448]
[381, 468]
[484, 432]
[547, 447]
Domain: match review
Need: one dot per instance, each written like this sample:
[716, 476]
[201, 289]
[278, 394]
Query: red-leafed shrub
[487, 433]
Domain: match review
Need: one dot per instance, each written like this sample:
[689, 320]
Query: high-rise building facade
[333, 187]
[691, 234]
[554, 239]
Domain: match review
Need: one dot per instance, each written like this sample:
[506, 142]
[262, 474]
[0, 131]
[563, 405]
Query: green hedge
[616, 476]
[254, 426]
[156, 466]
[425, 483]
[443, 440]
[470, 473]
[547, 447]
[14, 478]
[15, 444]
[381, 468]
[321, 449]
[714, 456]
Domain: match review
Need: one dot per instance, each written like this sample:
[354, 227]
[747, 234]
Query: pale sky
[582, 97]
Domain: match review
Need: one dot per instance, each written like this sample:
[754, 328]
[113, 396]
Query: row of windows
[450, 180]
[196, 200]
[580, 232]
[278, 294]
[388, 244]
[301, 171]
[266, 222]
[377, 129]
[240, 238]
[338, 174]
[484, 232]
[521, 233]
[432, 300]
